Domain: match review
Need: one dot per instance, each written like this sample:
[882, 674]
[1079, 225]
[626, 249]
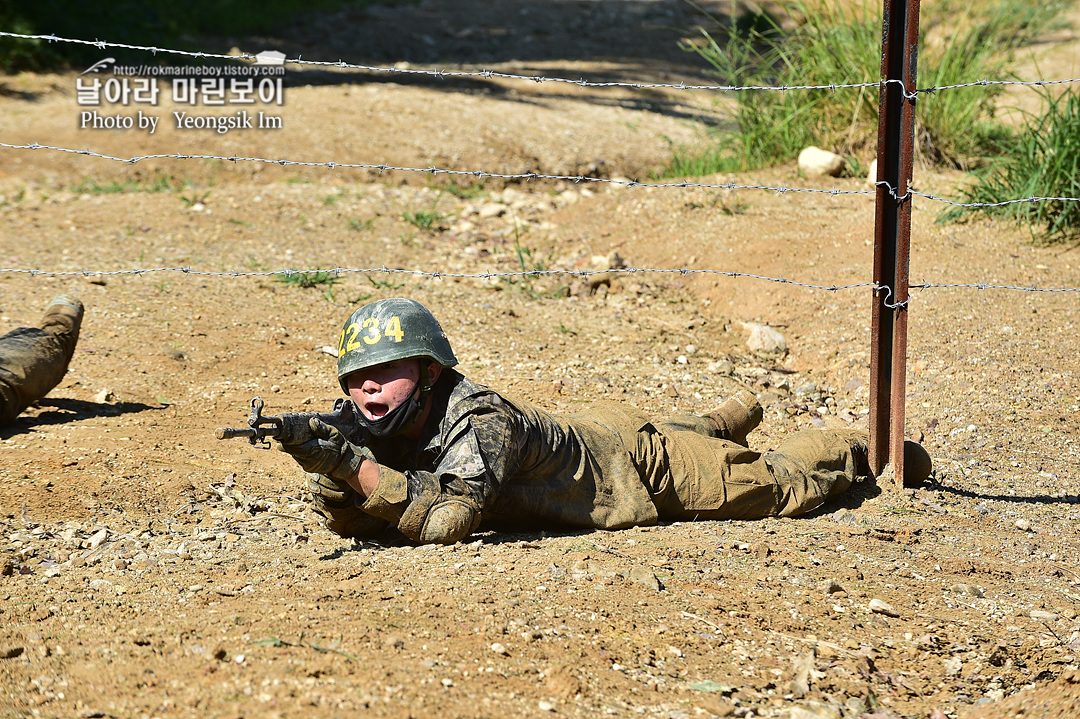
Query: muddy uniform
[33, 360]
[485, 459]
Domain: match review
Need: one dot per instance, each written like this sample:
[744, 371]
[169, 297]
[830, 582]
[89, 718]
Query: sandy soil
[150, 570]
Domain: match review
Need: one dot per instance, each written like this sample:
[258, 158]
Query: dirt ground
[151, 570]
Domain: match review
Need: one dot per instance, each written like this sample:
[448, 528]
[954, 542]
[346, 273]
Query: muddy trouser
[33, 360]
[693, 474]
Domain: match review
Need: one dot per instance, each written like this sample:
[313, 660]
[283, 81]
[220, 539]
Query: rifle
[290, 427]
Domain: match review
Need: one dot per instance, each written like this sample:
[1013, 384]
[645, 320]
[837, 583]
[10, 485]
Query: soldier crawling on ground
[33, 360]
[438, 455]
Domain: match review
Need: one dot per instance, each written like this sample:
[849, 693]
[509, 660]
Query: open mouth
[376, 409]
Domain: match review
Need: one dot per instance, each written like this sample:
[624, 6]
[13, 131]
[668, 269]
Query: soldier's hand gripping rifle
[291, 428]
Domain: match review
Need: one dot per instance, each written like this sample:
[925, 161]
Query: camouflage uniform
[486, 460]
[33, 360]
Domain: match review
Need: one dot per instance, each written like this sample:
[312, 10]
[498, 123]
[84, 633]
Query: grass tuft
[831, 45]
[1041, 160]
[311, 279]
[161, 183]
[425, 220]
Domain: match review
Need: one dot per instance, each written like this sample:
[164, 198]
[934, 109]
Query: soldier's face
[379, 389]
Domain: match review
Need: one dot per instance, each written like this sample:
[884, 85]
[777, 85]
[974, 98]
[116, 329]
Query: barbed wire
[1003, 203]
[529, 274]
[443, 74]
[528, 176]
[435, 171]
[584, 274]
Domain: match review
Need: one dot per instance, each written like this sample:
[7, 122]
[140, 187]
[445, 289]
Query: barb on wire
[438, 170]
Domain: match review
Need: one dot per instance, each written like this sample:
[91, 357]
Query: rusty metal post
[892, 233]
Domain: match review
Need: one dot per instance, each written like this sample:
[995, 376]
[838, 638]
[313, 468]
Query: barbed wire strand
[528, 176]
[435, 171]
[531, 274]
[442, 74]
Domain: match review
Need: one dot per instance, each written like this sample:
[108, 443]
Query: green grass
[424, 220]
[195, 198]
[465, 192]
[387, 284]
[1041, 160]
[361, 225]
[310, 280]
[160, 183]
[833, 46]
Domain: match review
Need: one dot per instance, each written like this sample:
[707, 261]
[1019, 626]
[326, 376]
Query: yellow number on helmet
[373, 335]
[393, 329]
[352, 344]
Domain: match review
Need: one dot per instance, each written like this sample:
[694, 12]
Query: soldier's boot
[33, 360]
[918, 465]
[737, 417]
[63, 318]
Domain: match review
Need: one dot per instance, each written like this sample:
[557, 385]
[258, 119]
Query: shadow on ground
[639, 38]
[61, 411]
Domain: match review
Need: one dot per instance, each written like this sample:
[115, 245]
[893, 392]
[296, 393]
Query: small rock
[393, 641]
[817, 162]
[499, 649]
[10, 652]
[1042, 616]
[831, 586]
[545, 706]
[105, 395]
[877, 606]
[764, 339]
[491, 209]
[845, 516]
[968, 589]
[97, 539]
[953, 666]
[1023, 525]
[646, 578]
[723, 366]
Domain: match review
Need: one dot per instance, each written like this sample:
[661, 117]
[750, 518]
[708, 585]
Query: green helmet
[388, 330]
